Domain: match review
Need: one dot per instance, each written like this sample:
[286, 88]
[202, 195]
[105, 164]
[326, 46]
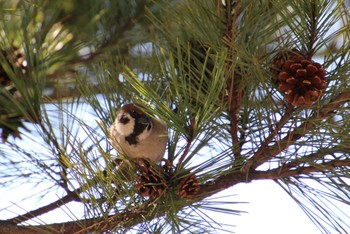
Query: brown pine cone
[302, 80]
[15, 59]
[189, 186]
[281, 58]
[151, 180]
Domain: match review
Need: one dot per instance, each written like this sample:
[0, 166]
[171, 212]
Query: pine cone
[189, 186]
[151, 180]
[281, 58]
[301, 79]
[15, 123]
[16, 60]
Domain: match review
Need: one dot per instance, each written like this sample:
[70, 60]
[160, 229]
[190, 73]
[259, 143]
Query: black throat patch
[132, 139]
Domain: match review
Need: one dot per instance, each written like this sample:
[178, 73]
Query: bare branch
[72, 196]
[279, 173]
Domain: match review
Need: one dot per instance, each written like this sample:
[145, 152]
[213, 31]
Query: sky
[270, 211]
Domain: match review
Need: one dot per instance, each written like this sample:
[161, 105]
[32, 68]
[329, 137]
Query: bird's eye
[133, 113]
[124, 119]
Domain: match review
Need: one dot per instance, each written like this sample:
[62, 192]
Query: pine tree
[250, 90]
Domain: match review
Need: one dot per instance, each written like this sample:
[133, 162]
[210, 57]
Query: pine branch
[189, 142]
[282, 172]
[141, 214]
[312, 28]
[310, 158]
[268, 139]
[234, 178]
[234, 84]
[266, 153]
[8, 227]
[137, 215]
[69, 197]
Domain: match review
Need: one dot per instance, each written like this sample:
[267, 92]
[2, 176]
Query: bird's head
[133, 123]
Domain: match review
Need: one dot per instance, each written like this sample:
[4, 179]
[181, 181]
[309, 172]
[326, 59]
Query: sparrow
[138, 135]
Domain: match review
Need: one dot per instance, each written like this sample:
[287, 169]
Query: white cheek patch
[144, 134]
[126, 129]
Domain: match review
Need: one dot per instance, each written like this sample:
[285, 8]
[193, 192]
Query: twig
[70, 196]
[137, 213]
[61, 162]
[141, 214]
[227, 180]
[313, 28]
[278, 174]
[310, 158]
[266, 153]
[235, 90]
[189, 141]
[269, 138]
